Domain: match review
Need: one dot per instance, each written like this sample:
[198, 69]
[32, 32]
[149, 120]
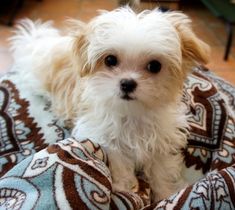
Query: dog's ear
[80, 55]
[194, 50]
[78, 31]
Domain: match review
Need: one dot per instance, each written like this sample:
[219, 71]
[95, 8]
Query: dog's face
[129, 61]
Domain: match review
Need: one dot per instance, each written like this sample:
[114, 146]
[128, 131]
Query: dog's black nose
[128, 85]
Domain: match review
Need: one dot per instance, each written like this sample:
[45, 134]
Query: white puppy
[120, 79]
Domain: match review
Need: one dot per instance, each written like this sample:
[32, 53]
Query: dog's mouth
[127, 97]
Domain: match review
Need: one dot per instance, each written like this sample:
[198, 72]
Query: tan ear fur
[194, 50]
[80, 55]
[60, 80]
[65, 90]
[61, 75]
[79, 31]
[67, 68]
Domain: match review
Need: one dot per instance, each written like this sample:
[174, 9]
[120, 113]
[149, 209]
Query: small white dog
[120, 79]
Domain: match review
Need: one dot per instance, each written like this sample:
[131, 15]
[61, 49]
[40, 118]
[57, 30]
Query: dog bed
[42, 167]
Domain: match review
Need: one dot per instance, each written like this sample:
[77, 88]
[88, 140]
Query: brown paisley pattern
[211, 144]
[21, 131]
[18, 129]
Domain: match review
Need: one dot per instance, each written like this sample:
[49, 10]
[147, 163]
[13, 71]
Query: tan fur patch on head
[194, 50]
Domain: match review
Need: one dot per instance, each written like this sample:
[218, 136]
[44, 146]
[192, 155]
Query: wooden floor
[208, 27]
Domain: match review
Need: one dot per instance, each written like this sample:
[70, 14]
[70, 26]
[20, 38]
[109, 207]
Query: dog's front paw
[126, 185]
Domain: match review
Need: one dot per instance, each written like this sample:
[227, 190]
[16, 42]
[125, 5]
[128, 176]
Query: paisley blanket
[42, 167]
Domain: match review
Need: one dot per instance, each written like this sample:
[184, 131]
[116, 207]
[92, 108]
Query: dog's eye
[154, 66]
[111, 61]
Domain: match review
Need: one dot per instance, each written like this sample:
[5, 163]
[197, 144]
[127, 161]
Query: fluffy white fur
[146, 133]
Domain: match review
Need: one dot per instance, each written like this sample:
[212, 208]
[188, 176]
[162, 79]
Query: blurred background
[213, 21]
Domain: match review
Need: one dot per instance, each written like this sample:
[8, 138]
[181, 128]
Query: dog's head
[127, 59]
